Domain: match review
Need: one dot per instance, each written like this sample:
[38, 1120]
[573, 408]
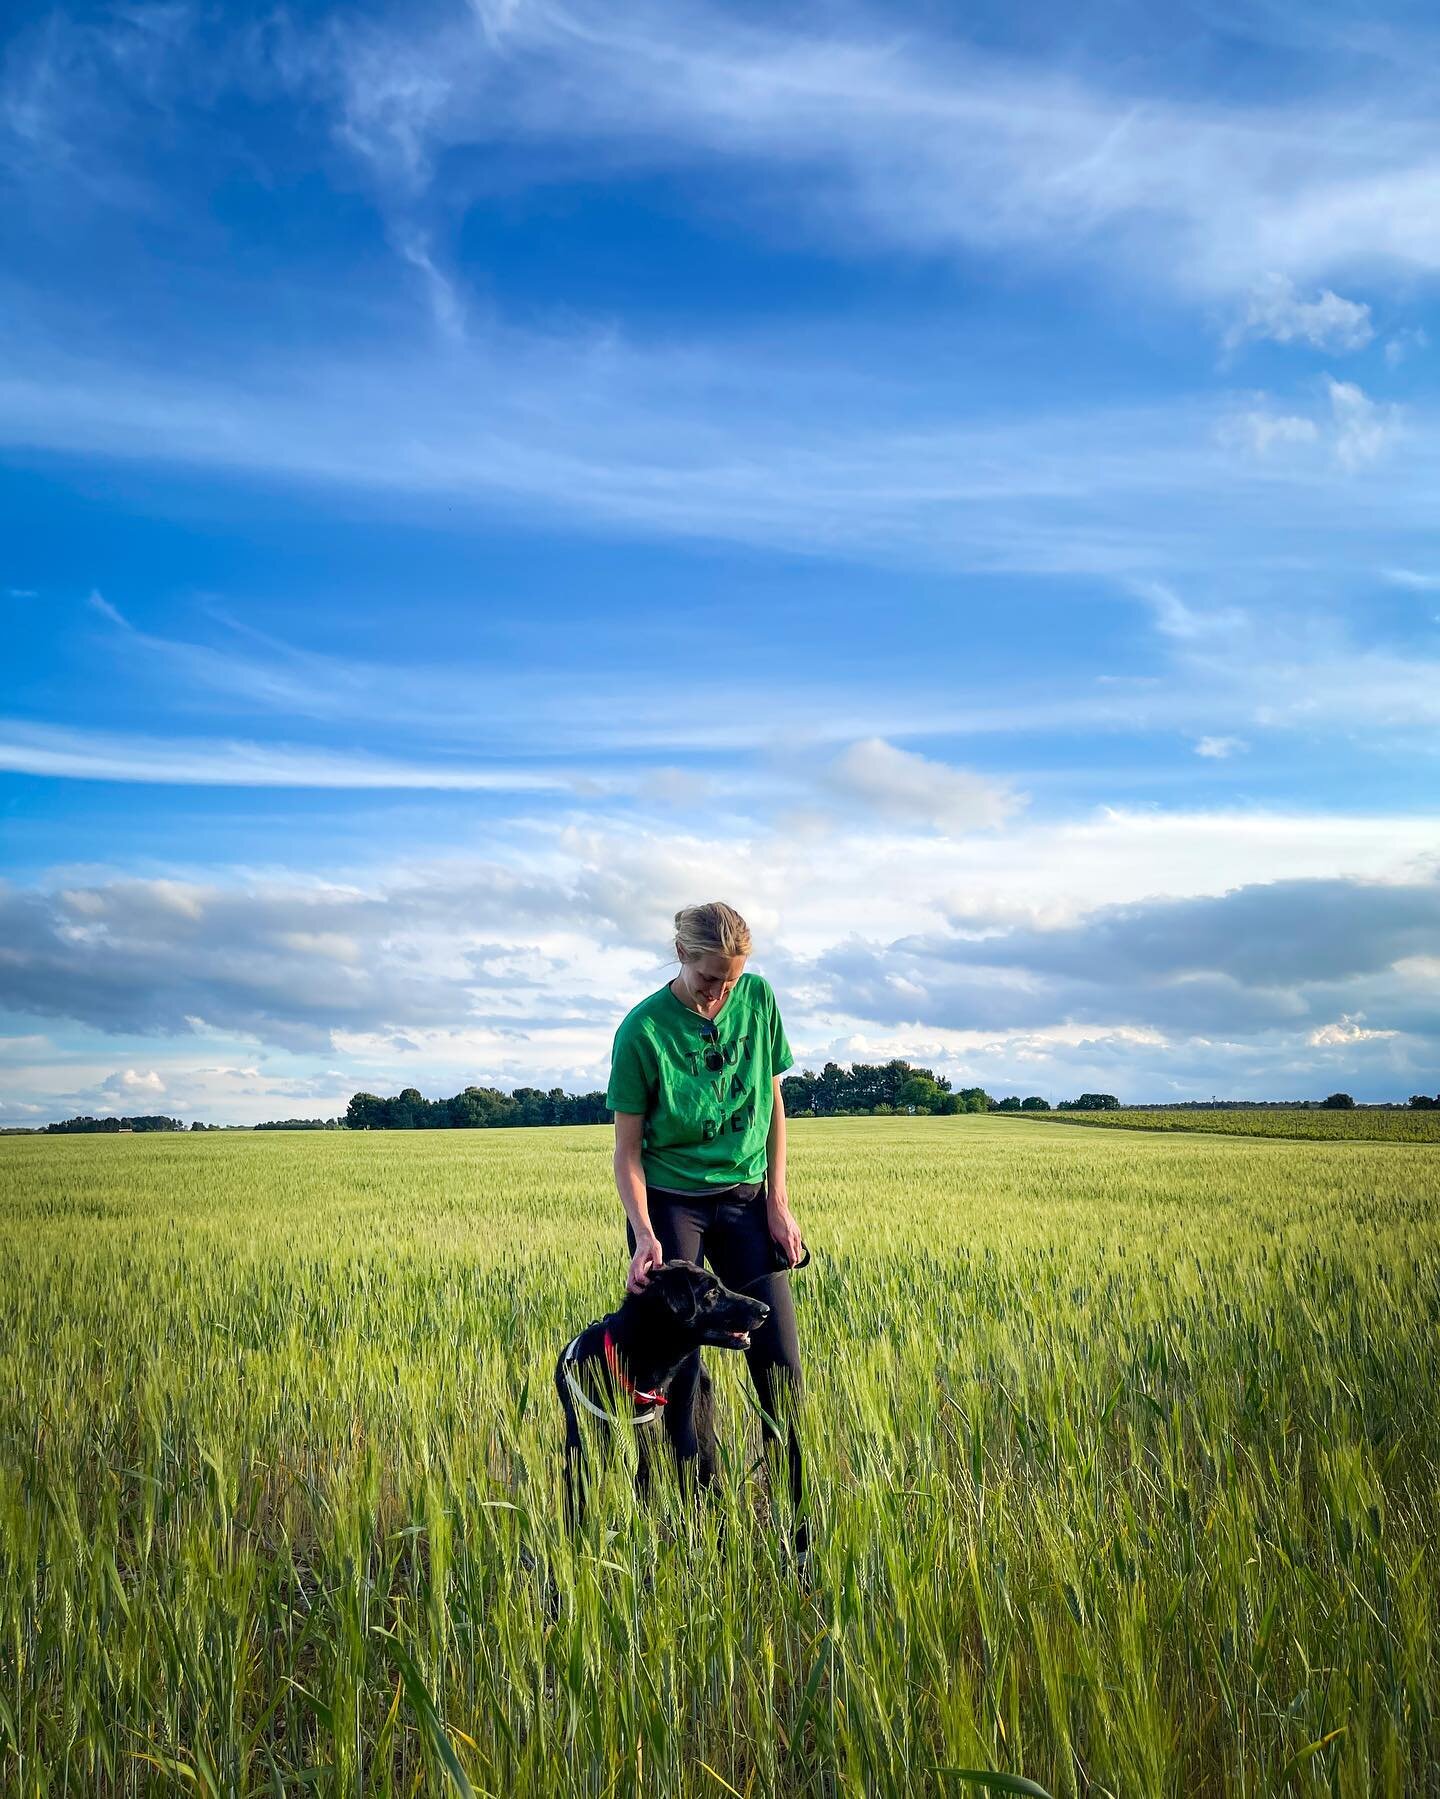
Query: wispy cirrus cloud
[916, 140]
[1221, 673]
[67, 753]
[675, 445]
[874, 135]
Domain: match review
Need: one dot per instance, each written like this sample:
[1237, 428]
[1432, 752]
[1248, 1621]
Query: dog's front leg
[704, 1417]
[576, 1485]
[644, 1461]
[575, 1471]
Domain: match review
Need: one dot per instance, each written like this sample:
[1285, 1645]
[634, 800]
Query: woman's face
[709, 979]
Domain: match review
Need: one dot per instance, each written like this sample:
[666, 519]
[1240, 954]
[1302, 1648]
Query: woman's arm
[783, 1227]
[630, 1184]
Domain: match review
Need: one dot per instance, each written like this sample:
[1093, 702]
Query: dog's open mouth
[741, 1339]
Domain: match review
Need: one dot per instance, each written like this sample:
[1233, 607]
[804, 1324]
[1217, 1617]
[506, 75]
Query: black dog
[617, 1370]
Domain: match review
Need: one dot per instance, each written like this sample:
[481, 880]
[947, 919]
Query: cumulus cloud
[134, 1083]
[1218, 748]
[1347, 1030]
[1263, 958]
[1276, 311]
[1026, 940]
[901, 785]
[283, 964]
[1356, 430]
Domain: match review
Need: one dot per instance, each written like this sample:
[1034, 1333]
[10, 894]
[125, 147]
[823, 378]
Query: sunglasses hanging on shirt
[717, 1054]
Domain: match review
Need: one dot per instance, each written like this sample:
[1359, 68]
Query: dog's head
[689, 1302]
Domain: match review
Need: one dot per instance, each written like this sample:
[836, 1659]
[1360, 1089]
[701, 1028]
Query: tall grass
[1123, 1454]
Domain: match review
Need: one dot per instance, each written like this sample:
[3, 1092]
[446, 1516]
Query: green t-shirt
[703, 1128]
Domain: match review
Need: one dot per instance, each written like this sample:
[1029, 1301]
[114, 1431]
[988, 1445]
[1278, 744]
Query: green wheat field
[1384, 1125]
[1123, 1453]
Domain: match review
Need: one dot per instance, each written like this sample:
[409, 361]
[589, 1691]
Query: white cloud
[1364, 430]
[134, 1083]
[1176, 618]
[447, 304]
[1275, 311]
[902, 785]
[1221, 747]
[1357, 430]
[1347, 1031]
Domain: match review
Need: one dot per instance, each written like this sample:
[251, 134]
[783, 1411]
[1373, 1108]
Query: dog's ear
[682, 1286]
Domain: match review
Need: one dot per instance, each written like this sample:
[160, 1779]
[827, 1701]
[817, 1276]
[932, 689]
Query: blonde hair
[711, 929]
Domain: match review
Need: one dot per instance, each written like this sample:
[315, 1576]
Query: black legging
[733, 1233]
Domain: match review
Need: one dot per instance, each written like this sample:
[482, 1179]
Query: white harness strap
[584, 1399]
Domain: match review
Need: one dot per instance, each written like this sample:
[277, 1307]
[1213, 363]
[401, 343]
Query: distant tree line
[882, 1087]
[477, 1108]
[295, 1124]
[898, 1086]
[895, 1086]
[74, 1127]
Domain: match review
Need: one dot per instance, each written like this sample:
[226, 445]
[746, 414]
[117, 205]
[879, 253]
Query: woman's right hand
[647, 1258]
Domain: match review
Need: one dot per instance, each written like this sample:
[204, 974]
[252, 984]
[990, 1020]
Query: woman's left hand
[783, 1227]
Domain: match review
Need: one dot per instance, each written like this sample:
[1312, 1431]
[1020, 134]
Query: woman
[700, 1158]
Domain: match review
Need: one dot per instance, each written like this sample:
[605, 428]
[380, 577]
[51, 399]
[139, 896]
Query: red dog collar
[638, 1394]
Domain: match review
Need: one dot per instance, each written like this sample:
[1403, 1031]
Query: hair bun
[711, 929]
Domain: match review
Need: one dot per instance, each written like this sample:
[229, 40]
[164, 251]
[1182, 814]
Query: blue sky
[477, 478]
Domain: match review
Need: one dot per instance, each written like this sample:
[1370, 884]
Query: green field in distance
[1123, 1450]
[1364, 1123]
